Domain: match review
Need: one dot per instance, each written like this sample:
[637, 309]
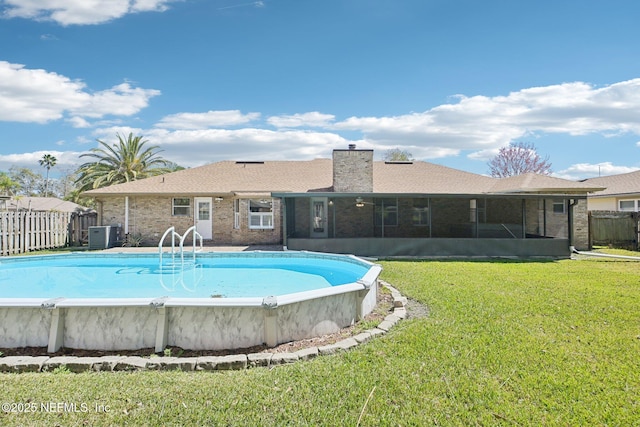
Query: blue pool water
[141, 276]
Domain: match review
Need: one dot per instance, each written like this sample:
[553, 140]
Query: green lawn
[506, 343]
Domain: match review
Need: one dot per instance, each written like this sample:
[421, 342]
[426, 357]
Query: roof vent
[250, 162]
[352, 146]
[398, 162]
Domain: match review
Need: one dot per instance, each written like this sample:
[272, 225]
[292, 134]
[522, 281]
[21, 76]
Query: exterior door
[204, 216]
[319, 217]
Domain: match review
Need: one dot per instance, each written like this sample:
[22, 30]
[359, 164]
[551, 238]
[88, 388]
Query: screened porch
[424, 225]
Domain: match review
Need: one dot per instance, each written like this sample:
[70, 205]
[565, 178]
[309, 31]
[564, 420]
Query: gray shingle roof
[626, 183]
[531, 182]
[229, 176]
[418, 177]
[428, 178]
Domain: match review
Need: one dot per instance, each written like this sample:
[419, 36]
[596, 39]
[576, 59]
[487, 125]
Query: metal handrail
[509, 231]
[171, 230]
[191, 229]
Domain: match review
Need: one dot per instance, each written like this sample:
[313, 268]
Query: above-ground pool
[212, 301]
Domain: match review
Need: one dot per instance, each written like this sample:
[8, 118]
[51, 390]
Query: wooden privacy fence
[79, 227]
[617, 229]
[24, 231]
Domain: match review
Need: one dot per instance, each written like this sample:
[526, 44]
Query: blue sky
[450, 81]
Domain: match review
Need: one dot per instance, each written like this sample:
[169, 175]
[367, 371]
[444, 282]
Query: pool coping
[78, 364]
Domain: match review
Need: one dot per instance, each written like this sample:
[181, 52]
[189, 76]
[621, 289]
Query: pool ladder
[180, 250]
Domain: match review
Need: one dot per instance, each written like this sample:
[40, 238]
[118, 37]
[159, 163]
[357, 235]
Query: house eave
[519, 195]
[163, 194]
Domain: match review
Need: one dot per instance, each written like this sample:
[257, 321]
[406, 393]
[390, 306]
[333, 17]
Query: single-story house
[622, 193]
[353, 204]
[39, 204]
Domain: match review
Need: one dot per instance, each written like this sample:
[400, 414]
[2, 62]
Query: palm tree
[126, 161]
[48, 161]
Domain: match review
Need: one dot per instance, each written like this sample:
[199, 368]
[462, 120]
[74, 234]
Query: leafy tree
[7, 185]
[48, 161]
[173, 167]
[29, 182]
[126, 161]
[75, 196]
[518, 158]
[397, 155]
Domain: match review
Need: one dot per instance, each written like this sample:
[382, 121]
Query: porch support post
[524, 218]
[333, 214]
[544, 217]
[283, 207]
[430, 216]
[570, 204]
[126, 215]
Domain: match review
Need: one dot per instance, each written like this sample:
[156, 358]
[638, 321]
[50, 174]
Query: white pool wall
[196, 324]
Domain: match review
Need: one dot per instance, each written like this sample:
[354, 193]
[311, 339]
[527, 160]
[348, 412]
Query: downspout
[126, 215]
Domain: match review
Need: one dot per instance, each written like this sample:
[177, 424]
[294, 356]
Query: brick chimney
[353, 170]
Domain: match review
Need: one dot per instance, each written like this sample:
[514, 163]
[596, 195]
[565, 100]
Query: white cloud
[206, 120]
[589, 170]
[478, 125]
[194, 147]
[120, 100]
[79, 12]
[36, 95]
[40, 96]
[79, 122]
[483, 124]
[311, 119]
[64, 160]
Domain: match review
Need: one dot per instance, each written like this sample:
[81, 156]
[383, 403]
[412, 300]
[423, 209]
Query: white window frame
[260, 220]
[236, 214]
[636, 205]
[175, 206]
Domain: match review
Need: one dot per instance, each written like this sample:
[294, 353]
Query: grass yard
[506, 343]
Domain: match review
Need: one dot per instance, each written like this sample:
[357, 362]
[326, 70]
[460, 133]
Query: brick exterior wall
[150, 216]
[352, 221]
[581, 226]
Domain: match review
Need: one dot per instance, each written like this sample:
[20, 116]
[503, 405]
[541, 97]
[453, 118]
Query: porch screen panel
[450, 218]
[386, 208]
